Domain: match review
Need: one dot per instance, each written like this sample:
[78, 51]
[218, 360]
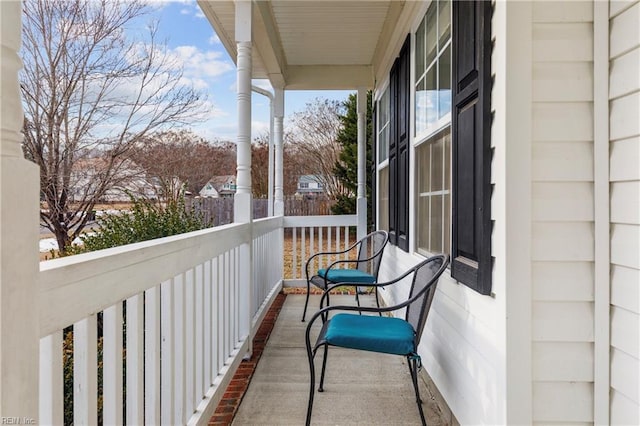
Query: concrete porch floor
[360, 387]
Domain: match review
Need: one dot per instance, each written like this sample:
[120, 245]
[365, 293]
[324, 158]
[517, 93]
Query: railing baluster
[207, 326]
[180, 312]
[85, 371]
[112, 365]
[235, 306]
[199, 329]
[51, 380]
[189, 343]
[294, 254]
[166, 350]
[303, 255]
[346, 241]
[152, 357]
[225, 312]
[215, 317]
[135, 360]
[320, 248]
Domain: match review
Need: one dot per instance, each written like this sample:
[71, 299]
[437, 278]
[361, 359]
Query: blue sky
[189, 35]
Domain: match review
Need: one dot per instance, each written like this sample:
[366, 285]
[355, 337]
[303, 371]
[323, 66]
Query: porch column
[19, 219]
[278, 107]
[243, 198]
[361, 201]
[243, 209]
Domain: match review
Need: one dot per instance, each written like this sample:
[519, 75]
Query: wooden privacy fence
[219, 211]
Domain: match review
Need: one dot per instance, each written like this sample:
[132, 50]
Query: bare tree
[260, 166]
[177, 160]
[90, 89]
[314, 133]
[295, 164]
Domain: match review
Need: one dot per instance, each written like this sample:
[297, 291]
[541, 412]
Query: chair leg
[377, 301]
[324, 367]
[312, 381]
[358, 300]
[306, 302]
[413, 369]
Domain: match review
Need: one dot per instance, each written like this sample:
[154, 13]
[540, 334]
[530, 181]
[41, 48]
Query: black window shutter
[399, 86]
[471, 148]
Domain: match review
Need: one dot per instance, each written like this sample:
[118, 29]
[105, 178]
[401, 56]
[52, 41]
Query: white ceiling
[312, 44]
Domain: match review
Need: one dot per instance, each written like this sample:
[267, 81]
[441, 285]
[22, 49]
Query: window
[304, 185]
[433, 195]
[433, 68]
[432, 112]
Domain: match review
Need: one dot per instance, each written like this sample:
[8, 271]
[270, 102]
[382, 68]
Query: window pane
[433, 199]
[424, 159]
[431, 96]
[421, 107]
[444, 21]
[420, 36]
[383, 126]
[422, 225]
[383, 145]
[432, 37]
[436, 166]
[446, 227]
[444, 76]
[384, 199]
[435, 245]
[447, 160]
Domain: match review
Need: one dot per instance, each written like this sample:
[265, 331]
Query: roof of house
[218, 182]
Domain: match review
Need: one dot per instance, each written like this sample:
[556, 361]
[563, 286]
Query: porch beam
[267, 42]
[19, 263]
[361, 200]
[329, 77]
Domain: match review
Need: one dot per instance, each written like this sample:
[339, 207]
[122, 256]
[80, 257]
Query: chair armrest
[326, 253]
[325, 293]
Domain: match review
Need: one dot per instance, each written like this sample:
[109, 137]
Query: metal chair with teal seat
[383, 334]
[363, 271]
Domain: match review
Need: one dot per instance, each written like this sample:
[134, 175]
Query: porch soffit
[312, 44]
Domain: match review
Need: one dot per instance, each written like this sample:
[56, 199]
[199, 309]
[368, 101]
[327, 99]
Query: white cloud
[185, 11]
[202, 64]
[214, 39]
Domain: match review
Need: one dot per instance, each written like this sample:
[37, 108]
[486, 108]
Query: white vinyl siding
[624, 163]
[562, 212]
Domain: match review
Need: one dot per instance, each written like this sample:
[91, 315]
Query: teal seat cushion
[371, 333]
[347, 276]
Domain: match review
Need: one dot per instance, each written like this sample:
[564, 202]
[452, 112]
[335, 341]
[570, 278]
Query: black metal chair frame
[362, 262]
[413, 301]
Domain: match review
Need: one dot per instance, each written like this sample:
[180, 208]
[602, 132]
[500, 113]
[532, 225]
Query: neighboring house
[310, 185]
[507, 134]
[128, 179]
[219, 187]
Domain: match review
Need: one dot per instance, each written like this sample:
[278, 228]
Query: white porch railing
[172, 317]
[179, 307]
[306, 235]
